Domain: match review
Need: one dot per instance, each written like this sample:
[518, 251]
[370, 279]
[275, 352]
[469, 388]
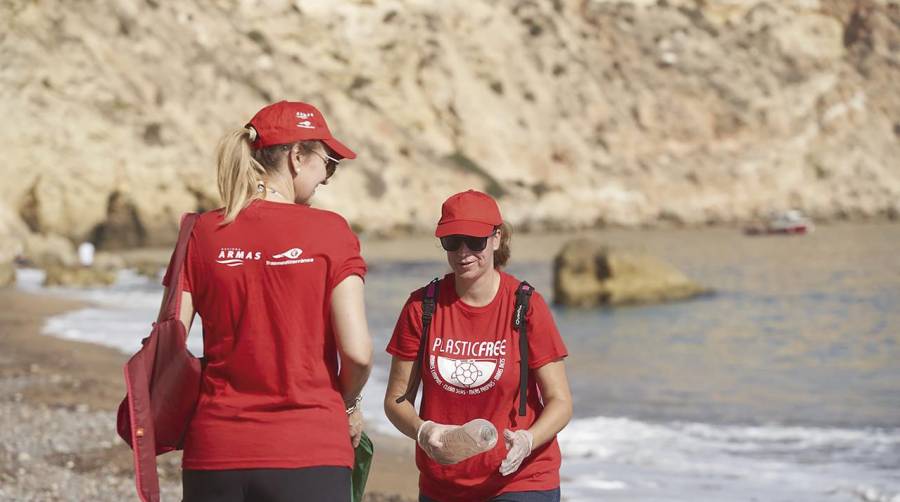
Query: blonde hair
[239, 174]
[241, 169]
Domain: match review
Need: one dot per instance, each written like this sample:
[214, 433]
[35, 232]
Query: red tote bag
[163, 382]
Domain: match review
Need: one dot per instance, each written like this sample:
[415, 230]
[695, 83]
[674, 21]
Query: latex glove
[356, 426]
[429, 438]
[451, 444]
[519, 445]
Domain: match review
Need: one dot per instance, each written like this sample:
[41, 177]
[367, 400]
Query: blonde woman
[279, 288]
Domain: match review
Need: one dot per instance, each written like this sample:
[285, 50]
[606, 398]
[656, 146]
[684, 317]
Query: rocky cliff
[575, 112]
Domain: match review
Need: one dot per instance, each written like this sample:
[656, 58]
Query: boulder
[7, 274]
[587, 274]
[148, 269]
[12, 233]
[107, 260]
[49, 250]
[59, 275]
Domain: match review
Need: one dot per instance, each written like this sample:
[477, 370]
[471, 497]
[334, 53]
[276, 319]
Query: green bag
[361, 465]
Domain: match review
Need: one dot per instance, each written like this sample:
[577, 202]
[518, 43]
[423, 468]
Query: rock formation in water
[574, 112]
[78, 276]
[587, 274]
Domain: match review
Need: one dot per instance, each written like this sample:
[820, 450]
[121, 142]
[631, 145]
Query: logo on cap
[304, 123]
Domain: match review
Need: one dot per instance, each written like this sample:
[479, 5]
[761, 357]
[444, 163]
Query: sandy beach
[57, 405]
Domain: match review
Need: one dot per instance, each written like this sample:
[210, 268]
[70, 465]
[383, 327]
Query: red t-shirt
[472, 371]
[270, 396]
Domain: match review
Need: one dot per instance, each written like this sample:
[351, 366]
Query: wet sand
[57, 405]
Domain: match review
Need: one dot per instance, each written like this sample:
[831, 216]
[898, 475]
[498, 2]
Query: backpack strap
[428, 305]
[523, 295]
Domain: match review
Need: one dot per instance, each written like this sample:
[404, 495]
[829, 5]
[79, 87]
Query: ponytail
[502, 254]
[239, 173]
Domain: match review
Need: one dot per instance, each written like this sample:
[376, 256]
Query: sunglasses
[331, 163]
[453, 242]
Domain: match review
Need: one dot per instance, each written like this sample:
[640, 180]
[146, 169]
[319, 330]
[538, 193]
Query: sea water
[782, 386]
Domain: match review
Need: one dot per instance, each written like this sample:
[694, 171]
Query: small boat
[791, 222]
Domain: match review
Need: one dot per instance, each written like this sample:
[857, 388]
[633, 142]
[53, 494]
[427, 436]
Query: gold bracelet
[355, 406]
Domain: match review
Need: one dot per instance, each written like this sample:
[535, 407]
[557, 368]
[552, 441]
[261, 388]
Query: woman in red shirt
[279, 289]
[470, 369]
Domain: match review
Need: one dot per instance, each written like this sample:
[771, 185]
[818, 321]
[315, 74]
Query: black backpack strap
[523, 295]
[428, 305]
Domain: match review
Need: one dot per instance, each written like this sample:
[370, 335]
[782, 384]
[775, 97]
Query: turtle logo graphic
[466, 373]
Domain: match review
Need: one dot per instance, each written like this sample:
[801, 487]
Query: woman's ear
[498, 238]
[293, 159]
[296, 153]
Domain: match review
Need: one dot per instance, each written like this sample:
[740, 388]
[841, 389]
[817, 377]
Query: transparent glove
[451, 444]
[429, 437]
[519, 445]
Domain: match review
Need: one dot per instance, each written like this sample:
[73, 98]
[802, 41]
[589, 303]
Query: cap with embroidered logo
[287, 122]
[469, 213]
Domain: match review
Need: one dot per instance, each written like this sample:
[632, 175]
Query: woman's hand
[429, 438]
[354, 347]
[356, 426]
[519, 445]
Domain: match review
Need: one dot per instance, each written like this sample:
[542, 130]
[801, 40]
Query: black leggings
[326, 484]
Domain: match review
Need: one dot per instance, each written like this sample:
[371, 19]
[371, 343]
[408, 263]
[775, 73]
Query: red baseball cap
[469, 213]
[287, 122]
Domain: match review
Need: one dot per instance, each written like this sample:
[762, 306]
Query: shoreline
[530, 246]
[60, 398]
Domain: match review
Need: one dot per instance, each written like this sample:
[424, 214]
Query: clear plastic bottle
[466, 441]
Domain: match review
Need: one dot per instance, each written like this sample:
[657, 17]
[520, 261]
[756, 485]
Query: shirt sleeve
[186, 270]
[407, 335]
[346, 259]
[544, 341]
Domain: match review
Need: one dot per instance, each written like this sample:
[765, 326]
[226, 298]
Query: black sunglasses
[453, 242]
